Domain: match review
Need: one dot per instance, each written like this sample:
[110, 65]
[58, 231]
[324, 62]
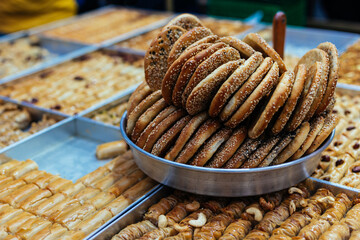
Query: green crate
[295, 10]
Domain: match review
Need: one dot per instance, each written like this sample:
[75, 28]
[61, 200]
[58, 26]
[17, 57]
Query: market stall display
[76, 85]
[105, 26]
[36, 204]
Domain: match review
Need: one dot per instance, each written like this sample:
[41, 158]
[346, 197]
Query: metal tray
[109, 8]
[59, 50]
[137, 213]
[68, 149]
[127, 54]
[220, 182]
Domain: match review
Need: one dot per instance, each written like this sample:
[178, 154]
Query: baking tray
[59, 50]
[109, 8]
[218, 181]
[68, 149]
[137, 213]
[128, 54]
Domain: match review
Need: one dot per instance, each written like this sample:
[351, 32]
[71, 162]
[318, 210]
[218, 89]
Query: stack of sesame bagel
[223, 102]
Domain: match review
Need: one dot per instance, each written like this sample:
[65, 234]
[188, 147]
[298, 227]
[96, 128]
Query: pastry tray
[68, 149]
[59, 51]
[103, 10]
[127, 54]
[136, 213]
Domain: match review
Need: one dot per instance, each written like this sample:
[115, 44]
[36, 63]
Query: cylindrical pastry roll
[93, 222]
[71, 218]
[111, 149]
[135, 231]
[94, 176]
[257, 235]
[139, 189]
[126, 182]
[161, 208]
[44, 206]
[20, 194]
[292, 225]
[86, 194]
[72, 189]
[214, 228]
[7, 213]
[33, 199]
[236, 230]
[352, 218]
[314, 229]
[30, 228]
[159, 233]
[341, 205]
[10, 186]
[23, 168]
[58, 185]
[338, 231]
[52, 232]
[101, 199]
[13, 225]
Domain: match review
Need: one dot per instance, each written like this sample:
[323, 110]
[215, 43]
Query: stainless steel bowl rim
[220, 170]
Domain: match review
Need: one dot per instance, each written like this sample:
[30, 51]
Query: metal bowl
[224, 182]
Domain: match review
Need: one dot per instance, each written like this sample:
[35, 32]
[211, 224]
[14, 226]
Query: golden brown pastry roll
[52, 232]
[62, 207]
[126, 182]
[139, 189]
[58, 185]
[72, 189]
[159, 233]
[292, 225]
[11, 186]
[4, 179]
[338, 168]
[73, 235]
[94, 176]
[234, 209]
[339, 208]
[273, 218]
[86, 194]
[44, 206]
[101, 199]
[253, 213]
[119, 160]
[71, 218]
[338, 231]
[114, 176]
[34, 198]
[29, 177]
[257, 235]
[117, 205]
[20, 194]
[135, 231]
[314, 229]
[8, 166]
[7, 213]
[14, 224]
[44, 180]
[23, 168]
[161, 208]
[93, 222]
[111, 149]
[236, 230]
[214, 228]
[352, 218]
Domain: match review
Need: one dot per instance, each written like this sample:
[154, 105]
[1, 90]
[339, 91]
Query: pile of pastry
[221, 102]
[35, 204]
[295, 214]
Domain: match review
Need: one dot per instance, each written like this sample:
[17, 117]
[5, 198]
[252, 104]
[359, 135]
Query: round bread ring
[162, 127]
[228, 149]
[186, 40]
[186, 21]
[266, 85]
[320, 93]
[174, 70]
[276, 101]
[259, 44]
[167, 139]
[208, 39]
[193, 124]
[140, 109]
[140, 142]
[313, 78]
[210, 147]
[202, 134]
[147, 117]
[245, 50]
[315, 127]
[246, 89]
[234, 82]
[188, 70]
[277, 149]
[330, 123]
[155, 61]
[218, 58]
[259, 155]
[201, 96]
[140, 93]
[243, 153]
[294, 145]
[291, 101]
[332, 52]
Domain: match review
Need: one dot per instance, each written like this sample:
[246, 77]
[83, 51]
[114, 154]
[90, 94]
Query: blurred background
[336, 15]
